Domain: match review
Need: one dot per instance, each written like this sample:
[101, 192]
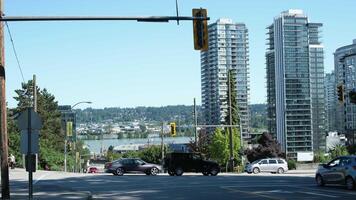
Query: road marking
[318, 194]
[325, 190]
[39, 178]
[251, 193]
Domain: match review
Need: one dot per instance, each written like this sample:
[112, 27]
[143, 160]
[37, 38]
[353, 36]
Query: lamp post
[65, 140]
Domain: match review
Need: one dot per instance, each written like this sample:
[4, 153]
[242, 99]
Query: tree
[51, 136]
[218, 147]
[234, 106]
[338, 150]
[268, 147]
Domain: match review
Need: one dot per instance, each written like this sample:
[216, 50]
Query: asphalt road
[188, 186]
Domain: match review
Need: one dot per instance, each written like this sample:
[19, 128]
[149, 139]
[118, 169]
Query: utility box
[305, 156]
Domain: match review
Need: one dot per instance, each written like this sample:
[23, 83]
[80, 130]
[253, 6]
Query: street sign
[34, 141]
[30, 164]
[23, 122]
[69, 126]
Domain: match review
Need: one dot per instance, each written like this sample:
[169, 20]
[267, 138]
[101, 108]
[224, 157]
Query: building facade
[345, 74]
[295, 83]
[228, 50]
[330, 101]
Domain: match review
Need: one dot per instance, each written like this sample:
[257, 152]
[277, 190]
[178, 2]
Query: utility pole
[35, 106]
[195, 124]
[230, 123]
[5, 188]
[162, 148]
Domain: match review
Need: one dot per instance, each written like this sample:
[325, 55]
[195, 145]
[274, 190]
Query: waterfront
[95, 145]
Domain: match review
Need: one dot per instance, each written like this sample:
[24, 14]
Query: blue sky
[128, 64]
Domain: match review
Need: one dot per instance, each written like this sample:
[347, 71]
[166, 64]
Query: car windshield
[256, 161]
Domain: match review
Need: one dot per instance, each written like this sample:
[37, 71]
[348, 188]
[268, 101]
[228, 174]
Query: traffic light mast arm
[102, 18]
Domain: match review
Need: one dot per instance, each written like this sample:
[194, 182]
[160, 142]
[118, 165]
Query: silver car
[277, 165]
[341, 170]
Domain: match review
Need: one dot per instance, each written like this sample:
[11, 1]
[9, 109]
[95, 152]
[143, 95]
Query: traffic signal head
[173, 129]
[352, 96]
[200, 28]
[340, 93]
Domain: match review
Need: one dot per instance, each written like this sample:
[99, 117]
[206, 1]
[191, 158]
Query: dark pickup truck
[178, 163]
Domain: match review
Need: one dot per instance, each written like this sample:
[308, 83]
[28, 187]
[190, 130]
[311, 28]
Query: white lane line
[318, 194]
[39, 178]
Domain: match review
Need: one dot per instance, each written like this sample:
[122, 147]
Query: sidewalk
[19, 186]
[302, 171]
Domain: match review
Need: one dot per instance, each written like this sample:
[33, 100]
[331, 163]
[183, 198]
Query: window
[334, 163]
[280, 162]
[263, 162]
[272, 161]
[345, 161]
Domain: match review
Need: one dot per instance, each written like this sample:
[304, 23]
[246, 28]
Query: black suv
[177, 163]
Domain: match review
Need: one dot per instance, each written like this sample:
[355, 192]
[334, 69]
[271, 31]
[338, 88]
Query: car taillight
[108, 165]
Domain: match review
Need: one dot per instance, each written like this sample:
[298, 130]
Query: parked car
[93, 170]
[178, 163]
[274, 165]
[127, 165]
[341, 170]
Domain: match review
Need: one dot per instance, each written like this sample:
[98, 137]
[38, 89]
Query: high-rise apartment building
[345, 74]
[330, 101]
[228, 50]
[295, 83]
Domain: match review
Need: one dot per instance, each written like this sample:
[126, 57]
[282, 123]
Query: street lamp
[65, 140]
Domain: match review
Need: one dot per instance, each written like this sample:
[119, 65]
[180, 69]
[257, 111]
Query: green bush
[292, 164]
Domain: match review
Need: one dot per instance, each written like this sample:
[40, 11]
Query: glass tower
[228, 49]
[345, 74]
[295, 83]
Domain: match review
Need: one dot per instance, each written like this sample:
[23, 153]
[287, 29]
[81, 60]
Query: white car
[277, 165]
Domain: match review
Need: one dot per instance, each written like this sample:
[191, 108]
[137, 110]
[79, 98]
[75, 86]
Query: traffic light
[352, 96]
[69, 129]
[340, 93]
[173, 129]
[200, 29]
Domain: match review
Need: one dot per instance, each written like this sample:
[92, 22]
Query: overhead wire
[15, 52]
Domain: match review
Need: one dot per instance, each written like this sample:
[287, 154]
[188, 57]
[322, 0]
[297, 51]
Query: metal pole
[65, 154]
[195, 124]
[102, 18]
[230, 122]
[5, 188]
[35, 106]
[162, 142]
[29, 155]
[34, 94]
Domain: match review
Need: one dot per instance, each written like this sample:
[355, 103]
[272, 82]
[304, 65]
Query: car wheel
[154, 171]
[205, 173]
[256, 170]
[319, 180]
[171, 173]
[214, 171]
[178, 171]
[350, 183]
[119, 171]
[280, 170]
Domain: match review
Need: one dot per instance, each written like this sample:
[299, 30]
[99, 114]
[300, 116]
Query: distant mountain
[181, 113]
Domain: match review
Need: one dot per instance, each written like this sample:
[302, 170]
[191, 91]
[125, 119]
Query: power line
[15, 52]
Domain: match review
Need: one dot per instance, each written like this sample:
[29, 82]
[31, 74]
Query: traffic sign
[34, 142]
[23, 122]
